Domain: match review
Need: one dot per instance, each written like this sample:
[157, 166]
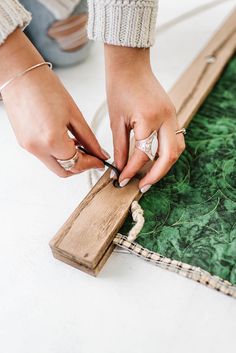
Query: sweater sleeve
[12, 15]
[129, 23]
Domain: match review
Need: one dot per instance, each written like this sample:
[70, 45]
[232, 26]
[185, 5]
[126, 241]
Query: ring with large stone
[69, 164]
[148, 145]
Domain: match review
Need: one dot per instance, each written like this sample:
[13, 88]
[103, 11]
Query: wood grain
[85, 240]
[198, 80]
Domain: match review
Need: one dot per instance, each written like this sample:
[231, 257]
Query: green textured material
[190, 215]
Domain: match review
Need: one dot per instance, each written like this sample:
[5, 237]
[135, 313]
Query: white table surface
[133, 306]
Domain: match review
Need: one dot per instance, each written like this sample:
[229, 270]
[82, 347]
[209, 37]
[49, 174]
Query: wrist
[16, 55]
[126, 59]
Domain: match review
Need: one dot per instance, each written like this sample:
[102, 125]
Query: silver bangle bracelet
[19, 74]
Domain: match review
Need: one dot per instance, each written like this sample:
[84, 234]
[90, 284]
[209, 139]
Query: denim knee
[37, 32]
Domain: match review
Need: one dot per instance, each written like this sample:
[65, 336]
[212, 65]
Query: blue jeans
[36, 31]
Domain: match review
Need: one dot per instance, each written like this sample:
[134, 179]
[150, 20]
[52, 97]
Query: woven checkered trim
[195, 273]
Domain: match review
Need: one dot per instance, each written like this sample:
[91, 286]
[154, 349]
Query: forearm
[123, 57]
[125, 63]
[16, 55]
[16, 51]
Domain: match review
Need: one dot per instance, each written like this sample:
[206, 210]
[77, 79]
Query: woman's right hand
[41, 111]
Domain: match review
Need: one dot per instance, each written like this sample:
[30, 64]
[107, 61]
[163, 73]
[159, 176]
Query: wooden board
[85, 241]
[198, 80]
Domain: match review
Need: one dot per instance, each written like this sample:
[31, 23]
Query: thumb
[121, 135]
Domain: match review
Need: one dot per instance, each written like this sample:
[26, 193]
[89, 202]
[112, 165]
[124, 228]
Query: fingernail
[101, 169]
[145, 188]
[106, 154]
[124, 182]
[113, 174]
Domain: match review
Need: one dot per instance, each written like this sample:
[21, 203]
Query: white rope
[137, 215]
[188, 14]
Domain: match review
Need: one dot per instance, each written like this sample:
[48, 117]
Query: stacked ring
[181, 131]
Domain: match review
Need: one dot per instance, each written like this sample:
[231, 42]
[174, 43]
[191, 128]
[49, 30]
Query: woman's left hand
[137, 101]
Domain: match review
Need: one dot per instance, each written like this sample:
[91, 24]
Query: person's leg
[62, 42]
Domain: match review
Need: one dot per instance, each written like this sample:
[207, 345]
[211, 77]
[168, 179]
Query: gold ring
[181, 131]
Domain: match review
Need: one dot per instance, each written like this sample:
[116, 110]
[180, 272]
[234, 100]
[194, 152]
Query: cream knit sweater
[128, 23]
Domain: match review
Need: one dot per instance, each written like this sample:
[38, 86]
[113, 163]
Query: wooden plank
[85, 240]
[92, 231]
[72, 262]
[198, 80]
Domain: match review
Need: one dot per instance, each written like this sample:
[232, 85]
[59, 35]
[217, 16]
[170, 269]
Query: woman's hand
[137, 101]
[41, 111]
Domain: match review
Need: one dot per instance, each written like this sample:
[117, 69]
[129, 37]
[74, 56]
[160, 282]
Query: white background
[133, 306]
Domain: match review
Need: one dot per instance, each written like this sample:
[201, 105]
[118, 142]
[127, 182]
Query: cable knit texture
[129, 23]
[12, 15]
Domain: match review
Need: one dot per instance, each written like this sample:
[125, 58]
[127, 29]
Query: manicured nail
[113, 174]
[145, 188]
[106, 154]
[124, 182]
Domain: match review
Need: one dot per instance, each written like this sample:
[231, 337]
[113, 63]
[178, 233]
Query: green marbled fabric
[190, 215]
